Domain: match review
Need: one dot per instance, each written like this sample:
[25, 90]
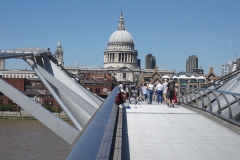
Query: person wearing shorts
[171, 88]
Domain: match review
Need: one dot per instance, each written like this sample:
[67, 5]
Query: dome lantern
[121, 22]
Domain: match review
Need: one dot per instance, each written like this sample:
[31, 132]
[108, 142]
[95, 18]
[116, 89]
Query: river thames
[29, 140]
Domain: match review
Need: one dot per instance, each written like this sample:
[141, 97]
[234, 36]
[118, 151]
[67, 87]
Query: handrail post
[236, 117]
[189, 93]
[229, 108]
[178, 93]
[219, 105]
[195, 97]
[209, 101]
[201, 99]
[185, 94]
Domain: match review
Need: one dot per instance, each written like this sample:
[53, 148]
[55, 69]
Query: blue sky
[171, 30]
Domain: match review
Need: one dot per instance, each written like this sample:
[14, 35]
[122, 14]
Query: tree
[114, 81]
[6, 107]
[49, 107]
[58, 109]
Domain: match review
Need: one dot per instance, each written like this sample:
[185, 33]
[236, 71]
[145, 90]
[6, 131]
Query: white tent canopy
[183, 77]
[193, 77]
[165, 76]
[201, 77]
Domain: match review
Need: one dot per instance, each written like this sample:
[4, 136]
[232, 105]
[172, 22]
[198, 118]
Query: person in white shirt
[120, 86]
[159, 91]
[144, 91]
[147, 93]
[150, 88]
[165, 91]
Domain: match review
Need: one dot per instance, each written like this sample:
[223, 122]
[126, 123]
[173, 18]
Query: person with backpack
[171, 88]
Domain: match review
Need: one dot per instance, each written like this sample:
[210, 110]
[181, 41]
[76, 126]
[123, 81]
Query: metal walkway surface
[161, 133]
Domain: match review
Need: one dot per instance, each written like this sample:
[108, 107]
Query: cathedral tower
[59, 54]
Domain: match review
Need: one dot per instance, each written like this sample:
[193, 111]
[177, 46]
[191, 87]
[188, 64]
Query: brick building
[99, 84]
[18, 83]
[32, 88]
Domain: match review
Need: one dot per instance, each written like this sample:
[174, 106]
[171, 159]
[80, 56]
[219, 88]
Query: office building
[192, 62]
[139, 63]
[2, 64]
[150, 62]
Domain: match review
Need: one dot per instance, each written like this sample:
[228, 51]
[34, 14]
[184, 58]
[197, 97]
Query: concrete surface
[161, 133]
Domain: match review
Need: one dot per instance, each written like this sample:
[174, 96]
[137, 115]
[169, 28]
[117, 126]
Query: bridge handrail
[187, 96]
[213, 90]
[222, 78]
[95, 140]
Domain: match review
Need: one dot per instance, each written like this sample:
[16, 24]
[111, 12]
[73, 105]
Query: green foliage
[53, 109]
[49, 107]
[58, 110]
[6, 107]
[115, 81]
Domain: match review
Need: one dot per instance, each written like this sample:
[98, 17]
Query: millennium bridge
[204, 125]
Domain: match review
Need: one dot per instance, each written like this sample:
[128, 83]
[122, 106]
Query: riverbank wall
[25, 115]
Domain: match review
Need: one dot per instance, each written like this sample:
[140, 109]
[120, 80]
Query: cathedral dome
[121, 36]
[120, 51]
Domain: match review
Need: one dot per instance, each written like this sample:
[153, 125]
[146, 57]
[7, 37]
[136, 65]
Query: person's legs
[154, 96]
[160, 96]
[168, 98]
[164, 98]
[150, 96]
[171, 98]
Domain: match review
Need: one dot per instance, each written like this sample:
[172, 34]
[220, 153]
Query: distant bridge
[205, 124]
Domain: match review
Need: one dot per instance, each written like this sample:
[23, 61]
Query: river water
[29, 140]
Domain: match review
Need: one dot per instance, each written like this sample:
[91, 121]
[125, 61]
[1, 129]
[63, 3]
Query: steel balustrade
[224, 101]
[95, 140]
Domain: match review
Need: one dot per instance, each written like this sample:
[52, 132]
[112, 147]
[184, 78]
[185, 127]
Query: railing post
[201, 99]
[178, 93]
[185, 94]
[219, 106]
[209, 101]
[229, 107]
[236, 117]
[182, 95]
[195, 97]
[190, 96]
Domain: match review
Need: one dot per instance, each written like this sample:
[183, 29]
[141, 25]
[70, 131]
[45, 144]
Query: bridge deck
[159, 132]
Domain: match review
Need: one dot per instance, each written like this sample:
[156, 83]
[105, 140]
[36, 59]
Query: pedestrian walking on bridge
[171, 87]
[150, 88]
[165, 91]
[159, 90]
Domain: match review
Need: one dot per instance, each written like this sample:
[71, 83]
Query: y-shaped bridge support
[77, 102]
